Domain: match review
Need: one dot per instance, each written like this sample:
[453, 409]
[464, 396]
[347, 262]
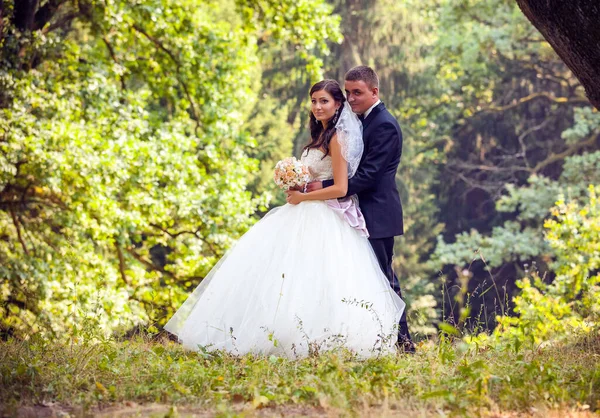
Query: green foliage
[456, 75]
[503, 100]
[569, 303]
[574, 234]
[504, 244]
[274, 136]
[519, 239]
[587, 122]
[137, 141]
[306, 25]
[124, 163]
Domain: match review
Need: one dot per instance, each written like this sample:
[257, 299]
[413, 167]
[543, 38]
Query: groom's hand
[315, 185]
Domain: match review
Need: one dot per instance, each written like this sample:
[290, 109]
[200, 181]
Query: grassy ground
[159, 378]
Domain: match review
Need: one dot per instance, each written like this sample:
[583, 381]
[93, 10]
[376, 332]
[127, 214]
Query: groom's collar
[368, 111]
[372, 113]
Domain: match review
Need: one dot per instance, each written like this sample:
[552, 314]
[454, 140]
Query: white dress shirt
[366, 114]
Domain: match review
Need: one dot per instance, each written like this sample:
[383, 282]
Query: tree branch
[111, 51]
[194, 233]
[159, 45]
[569, 151]
[534, 96]
[60, 23]
[45, 13]
[150, 265]
[18, 228]
[121, 263]
[527, 132]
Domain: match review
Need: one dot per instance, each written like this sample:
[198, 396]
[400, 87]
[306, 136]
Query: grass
[443, 378]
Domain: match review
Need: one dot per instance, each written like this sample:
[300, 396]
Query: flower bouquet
[291, 173]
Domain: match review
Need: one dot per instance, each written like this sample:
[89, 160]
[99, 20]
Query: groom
[374, 182]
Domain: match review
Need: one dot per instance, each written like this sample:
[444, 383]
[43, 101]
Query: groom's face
[360, 96]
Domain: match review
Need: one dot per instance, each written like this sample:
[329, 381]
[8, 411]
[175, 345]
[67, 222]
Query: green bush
[548, 310]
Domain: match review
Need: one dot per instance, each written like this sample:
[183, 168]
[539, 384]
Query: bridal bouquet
[290, 173]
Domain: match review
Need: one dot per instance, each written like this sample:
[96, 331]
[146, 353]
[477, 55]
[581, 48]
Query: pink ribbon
[347, 208]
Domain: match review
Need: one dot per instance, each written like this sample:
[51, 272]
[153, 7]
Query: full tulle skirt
[300, 281]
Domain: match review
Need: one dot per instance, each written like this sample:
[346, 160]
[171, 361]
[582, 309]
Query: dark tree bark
[1, 15]
[25, 14]
[573, 29]
[46, 13]
[29, 17]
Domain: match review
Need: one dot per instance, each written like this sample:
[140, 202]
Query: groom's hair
[363, 73]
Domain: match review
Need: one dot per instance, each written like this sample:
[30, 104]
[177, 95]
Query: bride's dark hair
[320, 138]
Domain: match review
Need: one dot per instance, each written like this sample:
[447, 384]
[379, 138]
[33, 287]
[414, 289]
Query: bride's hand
[294, 197]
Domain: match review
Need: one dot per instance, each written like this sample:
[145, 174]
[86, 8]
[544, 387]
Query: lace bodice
[320, 168]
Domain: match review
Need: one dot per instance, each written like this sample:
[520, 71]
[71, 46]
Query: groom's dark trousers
[375, 185]
[384, 250]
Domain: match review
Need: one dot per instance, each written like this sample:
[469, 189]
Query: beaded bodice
[320, 168]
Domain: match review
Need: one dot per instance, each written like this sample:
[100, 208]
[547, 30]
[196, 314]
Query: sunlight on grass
[443, 376]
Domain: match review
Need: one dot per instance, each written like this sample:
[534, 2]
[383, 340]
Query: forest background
[138, 139]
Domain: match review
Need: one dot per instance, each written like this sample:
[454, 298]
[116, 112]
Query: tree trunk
[573, 29]
[2, 13]
[25, 14]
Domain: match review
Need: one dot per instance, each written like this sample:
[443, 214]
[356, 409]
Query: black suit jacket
[375, 180]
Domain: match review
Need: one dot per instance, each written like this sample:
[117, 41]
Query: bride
[304, 279]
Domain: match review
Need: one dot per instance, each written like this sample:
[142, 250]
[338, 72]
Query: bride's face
[323, 106]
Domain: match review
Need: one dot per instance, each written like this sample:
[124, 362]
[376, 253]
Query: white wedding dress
[300, 281]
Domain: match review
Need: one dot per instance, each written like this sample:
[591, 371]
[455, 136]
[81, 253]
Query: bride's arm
[340, 178]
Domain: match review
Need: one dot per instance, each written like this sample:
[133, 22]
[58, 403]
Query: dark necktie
[361, 117]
